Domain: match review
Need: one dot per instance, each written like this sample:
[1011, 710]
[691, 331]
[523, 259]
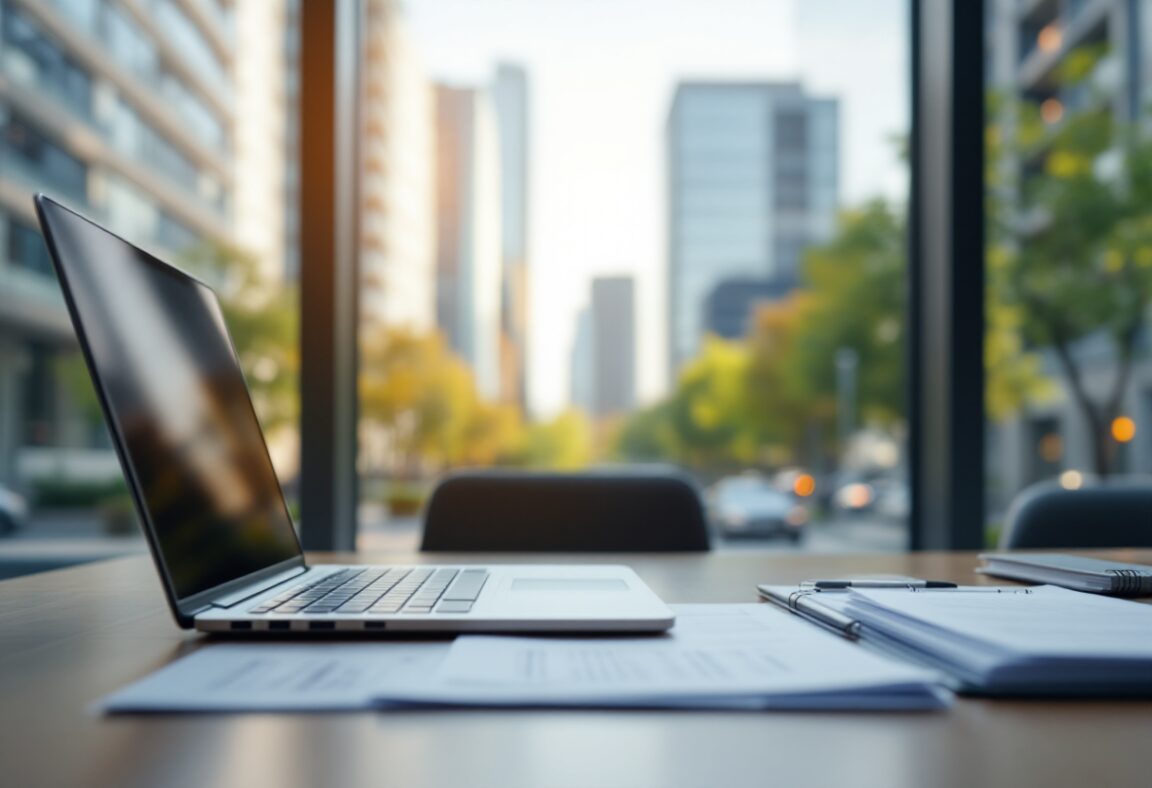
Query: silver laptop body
[181, 419]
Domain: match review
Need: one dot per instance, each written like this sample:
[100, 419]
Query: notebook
[1043, 640]
[1071, 571]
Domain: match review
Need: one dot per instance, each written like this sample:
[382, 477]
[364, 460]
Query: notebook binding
[1129, 581]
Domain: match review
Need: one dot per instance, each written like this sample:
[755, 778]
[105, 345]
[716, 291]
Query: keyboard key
[467, 587]
[453, 606]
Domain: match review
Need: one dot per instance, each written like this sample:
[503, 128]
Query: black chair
[1116, 513]
[500, 511]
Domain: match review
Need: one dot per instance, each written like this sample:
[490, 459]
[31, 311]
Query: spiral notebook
[1071, 571]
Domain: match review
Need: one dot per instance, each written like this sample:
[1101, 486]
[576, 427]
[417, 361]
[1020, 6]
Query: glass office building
[127, 111]
[753, 178]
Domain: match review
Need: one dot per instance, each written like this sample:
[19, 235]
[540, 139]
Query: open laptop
[182, 421]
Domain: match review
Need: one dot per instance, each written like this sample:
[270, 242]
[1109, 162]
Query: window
[31, 55]
[1069, 258]
[35, 155]
[727, 206]
[26, 249]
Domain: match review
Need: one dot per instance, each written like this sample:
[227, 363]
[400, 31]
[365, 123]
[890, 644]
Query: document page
[747, 656]
[278, 677]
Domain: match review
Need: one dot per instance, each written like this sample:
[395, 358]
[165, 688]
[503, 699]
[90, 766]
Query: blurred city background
[593, 234]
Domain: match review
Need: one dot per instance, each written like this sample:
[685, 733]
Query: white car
[752, 507]
[13, 511]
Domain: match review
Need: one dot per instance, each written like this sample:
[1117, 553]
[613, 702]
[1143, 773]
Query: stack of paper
[718, 656]
[1043, 640]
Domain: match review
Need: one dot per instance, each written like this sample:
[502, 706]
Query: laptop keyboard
[382, 590]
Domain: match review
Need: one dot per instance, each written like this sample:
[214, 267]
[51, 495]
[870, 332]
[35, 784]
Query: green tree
[854, 298]
[564, 443]
[1073, 252]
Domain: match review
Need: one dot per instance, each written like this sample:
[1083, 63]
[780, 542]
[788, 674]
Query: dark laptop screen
[174, 391]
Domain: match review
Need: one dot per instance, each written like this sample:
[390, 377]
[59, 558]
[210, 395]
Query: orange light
[1051, 447]
[1050, 38]
[1123, 429]
[1051, 111]
[857, 495]
[804, 485]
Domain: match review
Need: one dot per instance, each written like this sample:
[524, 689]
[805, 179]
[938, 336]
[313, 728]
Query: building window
[32, 55]
[42, 160]
[26, 249]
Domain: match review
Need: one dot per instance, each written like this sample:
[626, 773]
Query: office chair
[501, 511]
[1116, 513]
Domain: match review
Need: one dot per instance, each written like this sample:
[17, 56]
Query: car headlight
[735, 519]
[797, 516]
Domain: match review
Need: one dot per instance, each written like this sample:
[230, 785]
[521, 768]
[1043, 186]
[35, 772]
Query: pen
[831, 585]
[800, 603]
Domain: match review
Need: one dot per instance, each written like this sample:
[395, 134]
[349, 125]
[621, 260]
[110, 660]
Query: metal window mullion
[946, 276]
[329, 270]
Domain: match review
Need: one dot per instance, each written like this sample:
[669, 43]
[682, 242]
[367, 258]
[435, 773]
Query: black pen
[834, 585]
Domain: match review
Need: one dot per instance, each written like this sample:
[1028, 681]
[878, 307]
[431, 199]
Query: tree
[416, 395]
[854, 298]
[564, 443]
[421, 401]
[1075, 247]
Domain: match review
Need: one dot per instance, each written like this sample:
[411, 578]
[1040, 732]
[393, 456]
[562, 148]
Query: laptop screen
[178, 405]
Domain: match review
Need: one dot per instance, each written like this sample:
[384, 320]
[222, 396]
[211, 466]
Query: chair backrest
[546, 512]
[1113, 514]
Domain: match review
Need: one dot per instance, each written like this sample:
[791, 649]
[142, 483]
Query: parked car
[13, 511]
[751, 507]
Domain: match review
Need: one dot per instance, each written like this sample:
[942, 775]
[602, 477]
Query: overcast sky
[602, 73]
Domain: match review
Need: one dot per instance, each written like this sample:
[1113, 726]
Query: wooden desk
[69, 637]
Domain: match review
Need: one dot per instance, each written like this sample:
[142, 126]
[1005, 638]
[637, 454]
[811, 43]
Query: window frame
[944, 319]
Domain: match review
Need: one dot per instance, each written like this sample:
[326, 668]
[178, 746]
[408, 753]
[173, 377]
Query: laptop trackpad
[569, 584]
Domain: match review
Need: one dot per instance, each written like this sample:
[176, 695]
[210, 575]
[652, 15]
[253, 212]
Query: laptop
[183, 424]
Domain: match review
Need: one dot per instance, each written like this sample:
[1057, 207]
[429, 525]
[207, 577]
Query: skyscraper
[753, 178]
[510, 97]
[580, 384]
[468, 231]
[612, 317]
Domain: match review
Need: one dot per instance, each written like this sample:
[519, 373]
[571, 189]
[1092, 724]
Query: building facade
[753, 178]
[510, 97]
[612, 322]
[397, 254]
[468, 255]
[126, 111]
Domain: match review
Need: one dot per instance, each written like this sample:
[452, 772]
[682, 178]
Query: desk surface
[69, 637]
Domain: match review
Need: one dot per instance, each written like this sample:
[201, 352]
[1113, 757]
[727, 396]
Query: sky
[602, 74]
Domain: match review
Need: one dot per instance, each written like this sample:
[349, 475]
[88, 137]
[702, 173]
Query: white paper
[278, 677]
[718, 656]
[744, 656]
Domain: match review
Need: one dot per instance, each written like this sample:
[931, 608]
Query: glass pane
[600, 235]
[1069, 192]
[148, 117]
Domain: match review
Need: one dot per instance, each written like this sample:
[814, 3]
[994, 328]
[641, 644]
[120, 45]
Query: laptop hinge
[236, 597]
